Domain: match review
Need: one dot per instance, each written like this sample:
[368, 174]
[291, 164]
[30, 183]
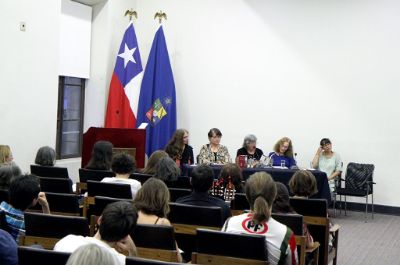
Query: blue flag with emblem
[157, 105]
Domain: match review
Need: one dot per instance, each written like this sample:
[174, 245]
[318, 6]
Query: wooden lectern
[120, 138]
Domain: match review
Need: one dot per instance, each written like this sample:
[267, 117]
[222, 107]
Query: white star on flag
[127, 55]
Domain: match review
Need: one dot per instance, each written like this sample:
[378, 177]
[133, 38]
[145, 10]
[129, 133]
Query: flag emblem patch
[156, 112]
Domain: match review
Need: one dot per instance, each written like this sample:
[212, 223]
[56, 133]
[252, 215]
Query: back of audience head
[235, 173]
[92, 254]
[7, 172]
[117, 221]
[5, 154]
[101, 156]
[282, 203]
[167, 170]
[303, 184]
[202, 178]
[123, 164]
[24, 191]
[153, 198]
[260, 192]
[45, 156]
[153, 160]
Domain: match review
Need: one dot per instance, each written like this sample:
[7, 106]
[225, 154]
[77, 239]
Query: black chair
[113, 190]
[46, 229]
[239, 204]
[140, 177]
[155, 242]
[141, 261]
[4, 196]
[49, 172]
[215, 247]
[315, 214]
[3, 221]
[358, 182]
[61, 204]
[29, 255]
[177, 193]
[56, 185]
[96, 175]
[295, 223]
[182, 182]
[187, 218]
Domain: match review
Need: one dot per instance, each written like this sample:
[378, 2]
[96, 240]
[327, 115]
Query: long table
[281, 175]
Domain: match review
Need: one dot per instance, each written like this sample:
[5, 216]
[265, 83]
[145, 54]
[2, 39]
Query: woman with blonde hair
[152, 203]
[260, 192]
[179, 149]
[5, 154]
[283, 153]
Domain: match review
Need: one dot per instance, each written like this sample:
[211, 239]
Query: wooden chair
[29, 255]
[141, 261]
[112, 190]
[217, 248]
[56, 185]
[97, 208]
[177, 193]
[140, 177]
[295, 223]
[187, 218]
[155, 242]
[60, 204]
[315, 212]
[46, 229]
[90, 174]
[49, 172]
[239, 204]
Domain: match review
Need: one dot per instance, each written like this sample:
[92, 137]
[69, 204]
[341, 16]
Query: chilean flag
[125, 83]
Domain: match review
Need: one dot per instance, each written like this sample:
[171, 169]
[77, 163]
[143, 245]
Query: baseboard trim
[360, 207]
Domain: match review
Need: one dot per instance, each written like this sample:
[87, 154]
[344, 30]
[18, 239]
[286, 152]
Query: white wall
[28, 76]
[303, 69]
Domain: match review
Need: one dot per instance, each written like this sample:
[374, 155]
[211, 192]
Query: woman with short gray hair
[45, 156]
[249, 148]
[92, 254]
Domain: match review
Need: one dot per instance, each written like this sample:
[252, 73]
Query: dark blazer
[187, 155]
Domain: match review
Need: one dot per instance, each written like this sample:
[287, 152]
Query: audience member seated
[115, 225]
[303, 184]
[92, 254]
[123, 165]
[179, 149]
[8, 249]
[283, 153]
[202, 178]
[214, 152]
[152, 162]
[24, 192]
[7, 172]
[281, 244]
[6, 156]
[45, 156]
[250, 150]
[282, 205]
[152, 203]
[101, 156]
[231, 173]
[328, 161]
[167, 170]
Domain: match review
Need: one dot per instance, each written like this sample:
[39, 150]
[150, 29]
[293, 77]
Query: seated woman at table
[179, 149]
[152, 203]
[303, 184]
[249, 149]
[328, 161]
[214, 152]
[281, 244]
[283, 153]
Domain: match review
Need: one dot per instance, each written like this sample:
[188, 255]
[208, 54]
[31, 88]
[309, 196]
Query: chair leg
[372, 205]
[366, 208]
[340, 199]
[345, 205]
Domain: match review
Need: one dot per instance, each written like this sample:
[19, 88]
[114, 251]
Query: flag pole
[130, 13]
[160, 15]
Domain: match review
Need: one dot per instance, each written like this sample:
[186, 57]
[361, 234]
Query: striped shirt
[15, 220]
[281, 244]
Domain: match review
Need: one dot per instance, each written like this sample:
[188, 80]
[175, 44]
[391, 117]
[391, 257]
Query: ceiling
[89, 2]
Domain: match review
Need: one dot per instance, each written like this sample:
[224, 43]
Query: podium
[120, 138]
